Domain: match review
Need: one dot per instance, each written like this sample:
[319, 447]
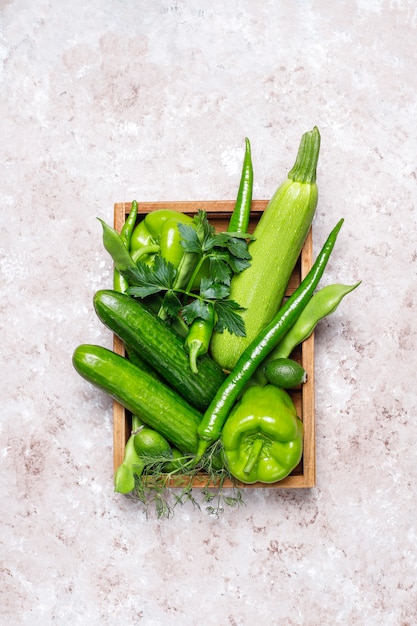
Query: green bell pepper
[158, 233]
[263, 436]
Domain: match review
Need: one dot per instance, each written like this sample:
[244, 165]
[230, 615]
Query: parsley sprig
[221, 254]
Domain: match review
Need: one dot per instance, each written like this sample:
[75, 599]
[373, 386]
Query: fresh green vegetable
[131, 466]
[263, 437]
[285, 373]
[170, 241]
[225, 253]
[198, 338]
[157, 344]
[115, 246]
[119, 282]
[158, 233]
[141, 445]
[151, 234]
[159, 406]
[278, 239]
[129, 225]
[323, 303]
[239, 219]
[210, 427]
[135, 358]
[149, 442]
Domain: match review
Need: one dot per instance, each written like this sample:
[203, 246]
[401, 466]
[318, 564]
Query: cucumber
[157, 344]
[279, 238]
[157, 404]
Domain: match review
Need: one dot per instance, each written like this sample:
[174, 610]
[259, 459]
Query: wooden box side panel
[304, 475]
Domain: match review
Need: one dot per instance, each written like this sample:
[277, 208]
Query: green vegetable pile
[209, 340]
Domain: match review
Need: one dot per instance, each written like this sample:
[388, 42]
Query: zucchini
[279, 238]
[161, 347]
[157, 404]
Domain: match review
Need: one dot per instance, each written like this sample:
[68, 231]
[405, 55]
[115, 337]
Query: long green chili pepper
[129, 225]
[198, 338]
[210, 427]
[239, 219]
[324, 302]
[119, 282]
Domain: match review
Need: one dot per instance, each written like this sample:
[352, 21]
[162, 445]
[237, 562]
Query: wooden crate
[218, 212]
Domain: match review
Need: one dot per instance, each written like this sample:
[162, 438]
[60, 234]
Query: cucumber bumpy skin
[279, 237]
[158, 405]
[159, 346]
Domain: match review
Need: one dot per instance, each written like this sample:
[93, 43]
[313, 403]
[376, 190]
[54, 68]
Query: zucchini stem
[305, 166]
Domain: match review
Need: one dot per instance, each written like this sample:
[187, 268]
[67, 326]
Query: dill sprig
[166, 483]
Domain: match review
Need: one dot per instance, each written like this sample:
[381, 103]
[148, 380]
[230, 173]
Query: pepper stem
[254, 455]
[151, 249]
[304, 169]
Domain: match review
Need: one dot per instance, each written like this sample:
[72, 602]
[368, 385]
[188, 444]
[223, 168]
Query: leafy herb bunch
[216, 257]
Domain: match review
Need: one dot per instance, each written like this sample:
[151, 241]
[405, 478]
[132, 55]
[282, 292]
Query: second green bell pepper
[263, 436]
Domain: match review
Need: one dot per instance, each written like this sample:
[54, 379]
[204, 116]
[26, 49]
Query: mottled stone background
[110, 100]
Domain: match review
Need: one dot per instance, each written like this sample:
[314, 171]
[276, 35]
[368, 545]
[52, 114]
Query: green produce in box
[263, 436]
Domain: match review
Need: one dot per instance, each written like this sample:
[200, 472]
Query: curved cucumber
[158, 405]
[162, 348]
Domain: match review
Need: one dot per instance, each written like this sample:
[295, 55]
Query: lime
[285, 373]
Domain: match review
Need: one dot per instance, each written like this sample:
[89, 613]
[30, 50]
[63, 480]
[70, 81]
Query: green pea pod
[115, 246]
[132, 465]
[323, 303]
[136, 423]
[143, 444]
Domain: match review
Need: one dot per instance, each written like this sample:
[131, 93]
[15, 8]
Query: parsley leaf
[145, 280]
[228, 317]
[238, 248]
[189, 238]
[196, 308]
[172, 305]
[212, 290]
[238, 265]
[220, 269]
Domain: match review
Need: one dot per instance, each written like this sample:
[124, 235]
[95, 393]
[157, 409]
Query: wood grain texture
[218, 212]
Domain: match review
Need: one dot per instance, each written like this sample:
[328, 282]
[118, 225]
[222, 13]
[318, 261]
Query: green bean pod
[323, 303]
[115, 246]
[132, 465]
